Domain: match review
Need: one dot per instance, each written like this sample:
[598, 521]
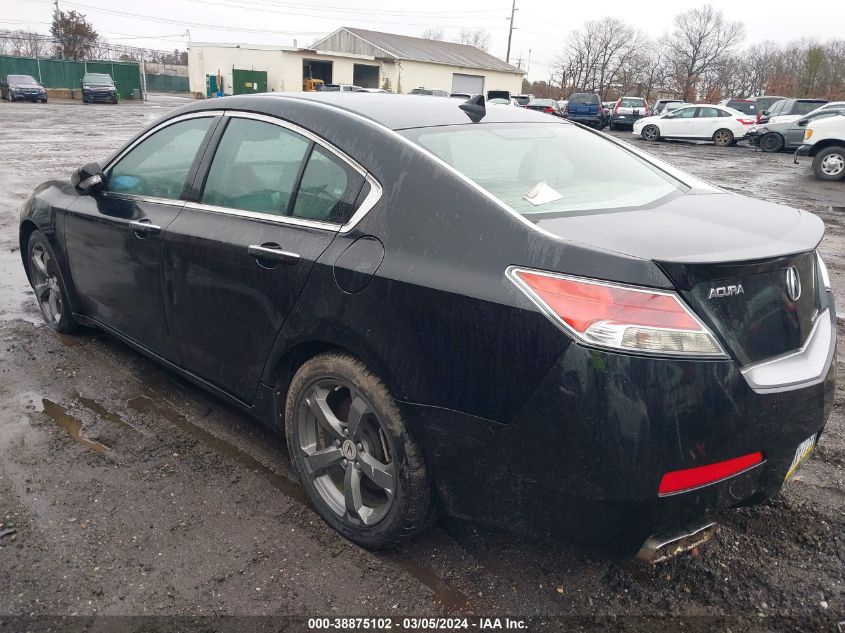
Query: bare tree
[433, 33]
[480, 38]
[699, 42]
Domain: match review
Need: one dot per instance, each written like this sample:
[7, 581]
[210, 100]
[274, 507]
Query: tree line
[700, 59]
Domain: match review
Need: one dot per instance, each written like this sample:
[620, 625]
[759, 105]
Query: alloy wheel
[345, 451]
[722, 137]
[650, 133]
[45, 283]
[833, 164]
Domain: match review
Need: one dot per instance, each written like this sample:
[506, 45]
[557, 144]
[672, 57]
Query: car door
[269, 201]
[114, 236]
[678, 123]
[706, 122]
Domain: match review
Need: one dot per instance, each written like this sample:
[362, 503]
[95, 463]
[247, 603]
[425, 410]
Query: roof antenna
[474, 108]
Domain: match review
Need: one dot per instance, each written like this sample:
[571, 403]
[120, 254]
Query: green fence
[64, 73]
[167, 83]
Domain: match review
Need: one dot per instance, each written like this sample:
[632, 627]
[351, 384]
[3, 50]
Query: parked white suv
[824, 140]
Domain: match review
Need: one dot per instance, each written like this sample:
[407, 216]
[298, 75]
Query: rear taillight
[549, 110]
[745, 121]
[689, 478]
[616, 107]
[619, 317]
[645, 110]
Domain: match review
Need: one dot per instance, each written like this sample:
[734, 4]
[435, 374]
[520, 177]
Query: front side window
[255, 167]
[159, 165]
[540, 169]
[328, 189]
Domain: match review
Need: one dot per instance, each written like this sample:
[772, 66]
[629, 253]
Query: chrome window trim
[265, 217]
[800, 368]
[131, 197]
[158, 128]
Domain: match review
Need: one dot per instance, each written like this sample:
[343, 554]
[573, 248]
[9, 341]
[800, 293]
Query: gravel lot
[134, 493]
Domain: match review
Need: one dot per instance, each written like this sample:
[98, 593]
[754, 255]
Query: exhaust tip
[661, 547]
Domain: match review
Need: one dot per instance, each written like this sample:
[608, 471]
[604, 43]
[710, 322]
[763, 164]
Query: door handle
[144, 226]
[273, 253]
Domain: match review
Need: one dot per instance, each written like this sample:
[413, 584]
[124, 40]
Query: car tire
[829, 163]
[651, 133]
[723, 137]
[610, 127]
[370, 482]
[771, 142]
[47, 283]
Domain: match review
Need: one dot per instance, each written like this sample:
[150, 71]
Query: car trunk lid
[759, 309]
[728, 256]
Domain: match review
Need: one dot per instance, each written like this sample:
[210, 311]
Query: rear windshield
[632, 102]
[746, 107]
[805, 107]
[547, 169]
[21, 80]
[584, 99]
[548, 103]
[522, 100]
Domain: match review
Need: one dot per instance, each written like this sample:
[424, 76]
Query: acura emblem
[793, 284]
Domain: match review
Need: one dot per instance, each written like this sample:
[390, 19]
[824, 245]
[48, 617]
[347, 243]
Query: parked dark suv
[98, 87]
[586, 108]
[791, 107]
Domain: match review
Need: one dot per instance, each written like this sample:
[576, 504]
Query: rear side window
[805, 107]
[158, 166]
[255, 167]
[547, 169]
[708, 113]
[328, 189]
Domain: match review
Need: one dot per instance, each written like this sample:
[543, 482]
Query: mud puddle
[71, 424]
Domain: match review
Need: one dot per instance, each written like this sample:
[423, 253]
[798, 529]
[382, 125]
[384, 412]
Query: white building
[370, 59]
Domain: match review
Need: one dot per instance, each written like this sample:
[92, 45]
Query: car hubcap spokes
[346, 453]
[833, 165]
[46, 285]
[722, 137]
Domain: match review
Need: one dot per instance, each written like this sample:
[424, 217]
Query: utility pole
[510, 33]
[58, 15]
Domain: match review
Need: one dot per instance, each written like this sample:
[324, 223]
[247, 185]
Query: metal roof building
[370, 59]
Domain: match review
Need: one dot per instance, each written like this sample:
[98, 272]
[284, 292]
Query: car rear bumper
[584, 118]
[584, 458]
[626, 119]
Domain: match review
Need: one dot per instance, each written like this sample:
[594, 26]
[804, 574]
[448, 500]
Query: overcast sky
[541, 25]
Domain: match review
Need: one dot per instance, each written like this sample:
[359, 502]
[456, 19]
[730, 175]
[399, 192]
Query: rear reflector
[680, 480]
[621, 317]
[747, 121]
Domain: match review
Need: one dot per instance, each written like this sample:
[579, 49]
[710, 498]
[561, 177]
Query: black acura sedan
[484, 310]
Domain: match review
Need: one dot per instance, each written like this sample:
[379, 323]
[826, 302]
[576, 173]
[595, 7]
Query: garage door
[473, 84]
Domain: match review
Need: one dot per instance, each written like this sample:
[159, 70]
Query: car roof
[396, 112]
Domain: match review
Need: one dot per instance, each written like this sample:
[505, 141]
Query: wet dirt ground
[126, 491]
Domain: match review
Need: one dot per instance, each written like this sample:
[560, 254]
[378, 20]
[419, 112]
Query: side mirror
[88, 178]
[765, 113]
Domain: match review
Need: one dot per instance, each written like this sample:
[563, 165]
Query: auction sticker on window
[803, 452]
